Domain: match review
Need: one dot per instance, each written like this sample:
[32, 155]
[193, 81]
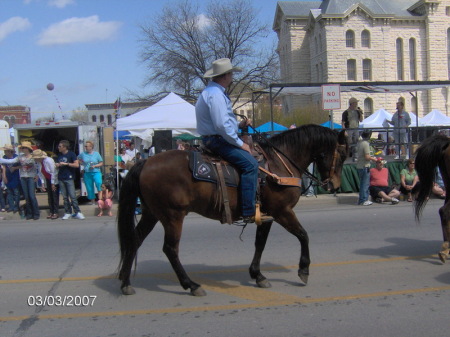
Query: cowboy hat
[352, 100]
[37, 154]
[27, 145]
[7, 147]
[220, 67]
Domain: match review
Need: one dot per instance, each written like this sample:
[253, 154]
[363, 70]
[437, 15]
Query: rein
[304, 171]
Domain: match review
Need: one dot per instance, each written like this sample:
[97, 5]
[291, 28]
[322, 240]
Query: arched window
[365, 38]
[414, 104]
[448, 51]
[412, 59]
[102, 118]
[351, 70]
[399, 49]
[109, 119]
[367, 70]
[350, 39]
[368, 107]
[94, 118]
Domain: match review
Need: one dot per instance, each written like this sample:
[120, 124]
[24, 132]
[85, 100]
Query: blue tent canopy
[122, 135]
[328, 125]
[267, 127]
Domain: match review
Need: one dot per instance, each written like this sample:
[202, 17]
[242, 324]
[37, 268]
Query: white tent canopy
[170, 113]
[434, 118]
[377, 119]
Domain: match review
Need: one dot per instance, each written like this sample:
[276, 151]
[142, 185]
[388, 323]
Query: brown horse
[434, 152]
[168, 192]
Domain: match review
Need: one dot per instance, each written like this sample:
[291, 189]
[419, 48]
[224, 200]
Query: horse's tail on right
[129, 192]
[428, 156]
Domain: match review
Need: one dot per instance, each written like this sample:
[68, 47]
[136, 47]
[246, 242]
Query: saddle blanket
[204, 170]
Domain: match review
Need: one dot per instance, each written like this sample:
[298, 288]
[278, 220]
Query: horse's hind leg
[444, 213]
[171, 248]
[143, 229]
[262, 232]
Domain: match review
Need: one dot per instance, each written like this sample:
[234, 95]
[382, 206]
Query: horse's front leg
[171, 246]
[290, 222]
[262, 232]
[444, 213]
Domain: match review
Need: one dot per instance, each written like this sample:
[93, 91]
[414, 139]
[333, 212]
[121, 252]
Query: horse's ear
[342, 137]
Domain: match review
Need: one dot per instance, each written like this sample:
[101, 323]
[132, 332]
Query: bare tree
[180, 45]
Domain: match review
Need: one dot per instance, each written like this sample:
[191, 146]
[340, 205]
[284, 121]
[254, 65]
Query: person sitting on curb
[379, 184]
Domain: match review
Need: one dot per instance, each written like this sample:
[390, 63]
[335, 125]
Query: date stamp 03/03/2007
[61, 301]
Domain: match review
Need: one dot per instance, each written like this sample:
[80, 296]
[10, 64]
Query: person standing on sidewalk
[363, 167]
[49, 177]
[67, 163]
[11, 179]
[91, 161]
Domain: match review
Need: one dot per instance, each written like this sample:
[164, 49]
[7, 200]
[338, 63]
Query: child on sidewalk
[105, 199]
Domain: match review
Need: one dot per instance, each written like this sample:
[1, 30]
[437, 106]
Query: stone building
[333, 41]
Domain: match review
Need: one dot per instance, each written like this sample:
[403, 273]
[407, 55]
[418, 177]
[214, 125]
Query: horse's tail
[428, 157]
[129, 192]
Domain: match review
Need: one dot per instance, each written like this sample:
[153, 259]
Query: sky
[88, 49]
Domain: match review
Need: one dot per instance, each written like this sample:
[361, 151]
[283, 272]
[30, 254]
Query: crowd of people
[23, 174]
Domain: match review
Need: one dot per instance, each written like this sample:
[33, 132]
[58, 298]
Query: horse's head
[330, 163]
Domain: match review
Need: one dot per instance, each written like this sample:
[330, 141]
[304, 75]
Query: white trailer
[47, 135]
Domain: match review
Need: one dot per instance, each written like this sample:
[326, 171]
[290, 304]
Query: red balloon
[50, 86]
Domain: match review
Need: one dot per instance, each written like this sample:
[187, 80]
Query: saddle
[207, 166]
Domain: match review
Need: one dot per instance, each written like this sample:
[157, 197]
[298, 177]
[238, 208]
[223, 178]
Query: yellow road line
[266, 303]
[219, 271]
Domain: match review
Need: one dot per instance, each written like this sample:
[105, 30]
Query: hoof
[128, 290]
[303, 277]
[198, 292]
[442, 257]
[263, 283]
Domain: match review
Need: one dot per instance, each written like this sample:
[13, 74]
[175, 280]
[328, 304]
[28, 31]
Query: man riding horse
[219, 128]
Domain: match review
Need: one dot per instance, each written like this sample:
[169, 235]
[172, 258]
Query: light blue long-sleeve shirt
[215, 115]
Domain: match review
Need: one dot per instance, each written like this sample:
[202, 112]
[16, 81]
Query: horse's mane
[310, 135]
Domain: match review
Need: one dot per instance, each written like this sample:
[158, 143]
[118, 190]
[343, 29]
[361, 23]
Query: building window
[399, 49]
[94, 118]
[447, 11]
[365, 38]
[320, 42]
[412, 59]
[350, 39]
[351, 70]
[367, 70]
[109, 119]
[368, 107]
[414, 105]
[448, 51]
[316, 45]
[102, 118]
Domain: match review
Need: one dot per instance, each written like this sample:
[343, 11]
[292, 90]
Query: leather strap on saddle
[223, 187]
[285, 181]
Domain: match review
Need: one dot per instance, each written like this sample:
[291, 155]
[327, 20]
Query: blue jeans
[246, 165]
[29, 191]
[67, 188]
[364, 179]
[91, 178]
[13, 198]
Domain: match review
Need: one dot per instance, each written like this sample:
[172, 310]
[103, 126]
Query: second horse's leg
[444, 213]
